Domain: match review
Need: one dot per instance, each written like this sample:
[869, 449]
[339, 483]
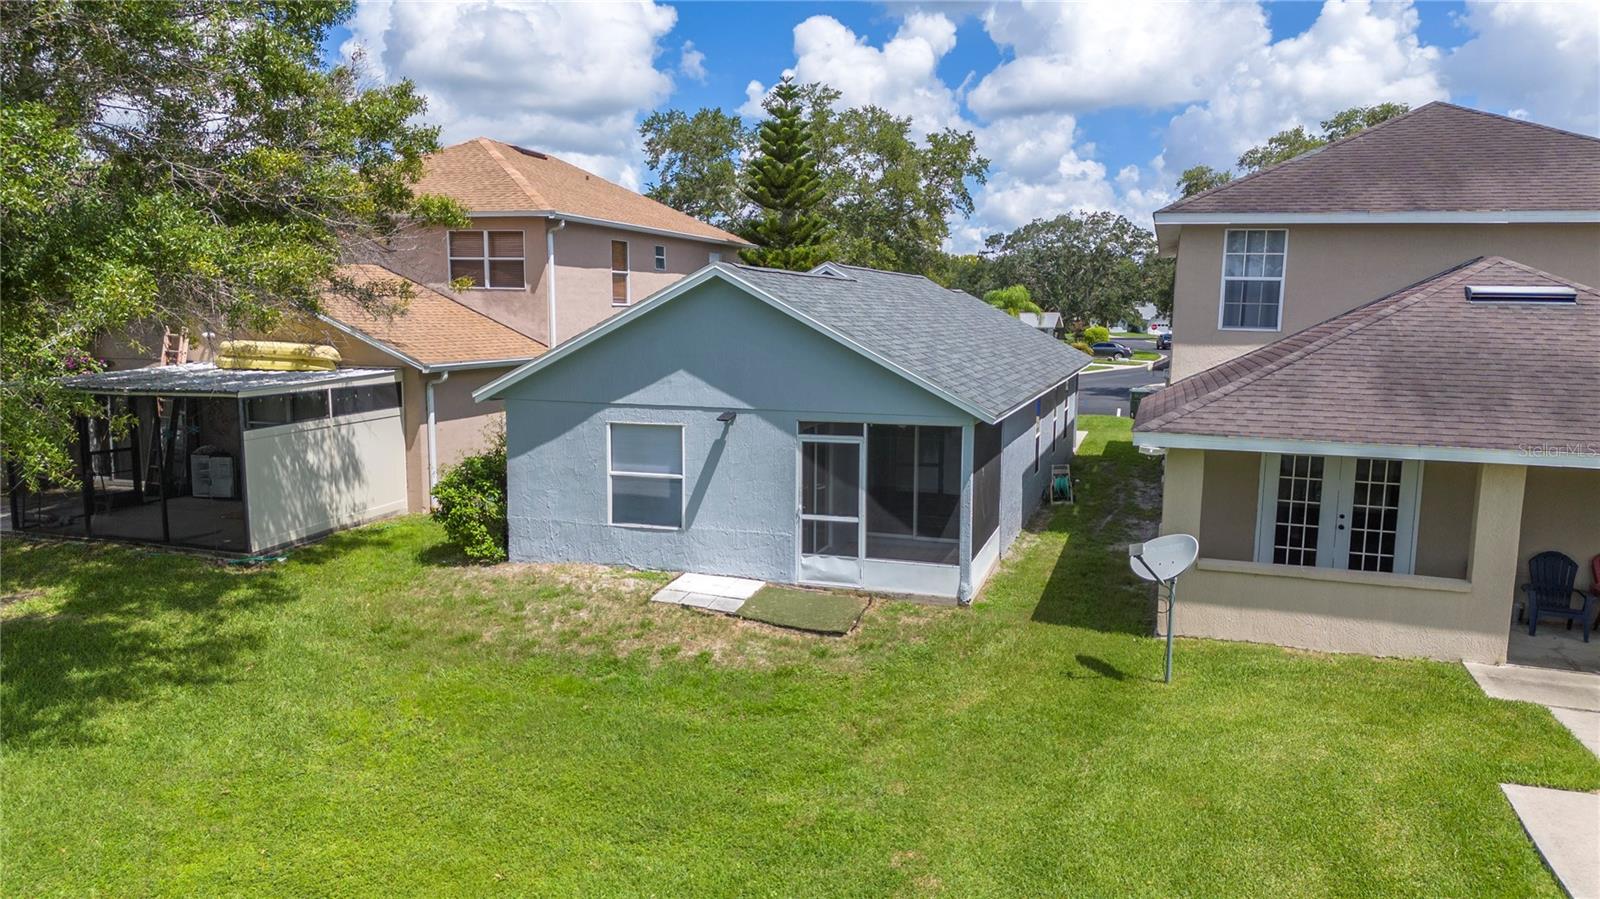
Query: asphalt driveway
[1105, 393]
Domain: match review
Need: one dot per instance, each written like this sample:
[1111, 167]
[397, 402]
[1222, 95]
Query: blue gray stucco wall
[1021, 488]
[711, 350]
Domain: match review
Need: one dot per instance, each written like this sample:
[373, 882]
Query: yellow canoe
[276, 355]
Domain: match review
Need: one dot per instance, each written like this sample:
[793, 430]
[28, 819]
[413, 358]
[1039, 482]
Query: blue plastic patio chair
[1552, 579]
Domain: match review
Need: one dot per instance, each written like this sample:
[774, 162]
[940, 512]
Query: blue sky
[1080, 106]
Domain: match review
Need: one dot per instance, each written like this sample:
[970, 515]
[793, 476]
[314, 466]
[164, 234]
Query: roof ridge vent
[527, 152]
[1546, 294]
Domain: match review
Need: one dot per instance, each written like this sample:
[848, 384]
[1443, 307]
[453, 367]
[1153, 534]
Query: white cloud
[1355, 53]
[692, 63]
[1539, 61]
[569, 78]
[1076, 57]
[901, 76]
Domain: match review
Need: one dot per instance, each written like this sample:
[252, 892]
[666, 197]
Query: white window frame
[1333, 534]
[660, 256]
[612, 474]
[1222, 289]
[626, 272]
[486, 259]
[713, 256]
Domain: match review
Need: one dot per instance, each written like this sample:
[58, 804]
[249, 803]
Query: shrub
[1096, 334]
[471, 502]
[1081, 347]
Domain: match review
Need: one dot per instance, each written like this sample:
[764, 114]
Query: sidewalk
[1564, 825]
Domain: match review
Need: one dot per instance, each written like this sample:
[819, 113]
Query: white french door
[1344, 512]
[833, 477]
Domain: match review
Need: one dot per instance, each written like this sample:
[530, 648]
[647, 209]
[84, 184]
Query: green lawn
[372, 717]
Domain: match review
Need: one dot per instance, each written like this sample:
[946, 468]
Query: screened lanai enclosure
[880, 504]
[226, 460]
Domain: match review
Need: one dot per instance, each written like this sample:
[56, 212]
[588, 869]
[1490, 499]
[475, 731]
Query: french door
[1346, 512]
[833, 479]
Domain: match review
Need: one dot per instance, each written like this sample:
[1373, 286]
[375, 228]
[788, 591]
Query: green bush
[1096, 334]
[1081, 347]
[471, 503]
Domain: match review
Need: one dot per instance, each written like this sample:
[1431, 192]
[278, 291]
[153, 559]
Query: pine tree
[782, 180]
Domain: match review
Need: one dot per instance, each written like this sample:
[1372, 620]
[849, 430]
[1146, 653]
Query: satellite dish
[1163, 558]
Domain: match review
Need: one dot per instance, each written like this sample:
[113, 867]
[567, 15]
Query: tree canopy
[1090, 267]
[888, 194]
[190, 163]
[1013, 300]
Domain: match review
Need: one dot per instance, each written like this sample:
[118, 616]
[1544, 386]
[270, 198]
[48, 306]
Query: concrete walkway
[1564, 825]
[708, 591]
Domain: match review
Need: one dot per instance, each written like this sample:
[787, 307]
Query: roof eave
[1412, 217]
[1168, 439]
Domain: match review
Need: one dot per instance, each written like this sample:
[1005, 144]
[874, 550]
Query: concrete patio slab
[708, 591]
[1554, 646]
[1546, 686]
[1585, 726]
[1565, 828]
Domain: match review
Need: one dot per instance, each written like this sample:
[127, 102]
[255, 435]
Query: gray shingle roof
[1365, 377]
[1436, 158]
[953, 340]
[205, 379]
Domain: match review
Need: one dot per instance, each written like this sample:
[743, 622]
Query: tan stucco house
[1378, 481]
[551, 250]
[1274, 252]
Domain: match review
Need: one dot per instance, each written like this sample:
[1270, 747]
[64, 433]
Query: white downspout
[433, 436]
[550, 271]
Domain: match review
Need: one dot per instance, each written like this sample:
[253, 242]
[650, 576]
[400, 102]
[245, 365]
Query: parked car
[1164, 341]
[1113, 349]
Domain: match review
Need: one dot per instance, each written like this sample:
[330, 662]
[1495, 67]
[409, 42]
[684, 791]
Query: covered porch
[1381, 554]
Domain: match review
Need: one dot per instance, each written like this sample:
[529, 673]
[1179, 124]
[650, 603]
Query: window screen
[285, 408]
[619, 273]
[646, 475]
[1252, 278]
[368, 398]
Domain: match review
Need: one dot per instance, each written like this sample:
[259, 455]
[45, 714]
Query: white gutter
[433, 436]
[550, 271]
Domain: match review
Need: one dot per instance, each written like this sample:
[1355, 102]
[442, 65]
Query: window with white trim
[661, 258]
[619, 273]
[493, 259]
[1252, 279]
[714, 256]
[645, 475]
[1356, 514]
[1038, 409]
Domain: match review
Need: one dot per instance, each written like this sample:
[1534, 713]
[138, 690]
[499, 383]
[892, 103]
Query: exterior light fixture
[727, 417]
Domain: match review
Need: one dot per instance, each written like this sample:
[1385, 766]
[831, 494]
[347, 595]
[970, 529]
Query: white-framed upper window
[644, 475]
[714, 256]
[661, 258]
[619, 273]
[492, 259]
[1038, 412]
[1252, 279]
[1344, 512]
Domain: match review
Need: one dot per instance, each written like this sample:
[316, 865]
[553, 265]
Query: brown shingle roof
[432, 328]
[1436, 158]
[1421, 367]
[489, 176]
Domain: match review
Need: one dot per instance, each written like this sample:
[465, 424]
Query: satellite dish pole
[1162, 560]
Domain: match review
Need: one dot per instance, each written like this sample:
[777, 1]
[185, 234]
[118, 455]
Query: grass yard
[373, 717]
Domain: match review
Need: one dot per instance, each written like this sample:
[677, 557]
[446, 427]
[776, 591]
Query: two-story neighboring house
[551, 250]
[1288, 247]
[1386, 395]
